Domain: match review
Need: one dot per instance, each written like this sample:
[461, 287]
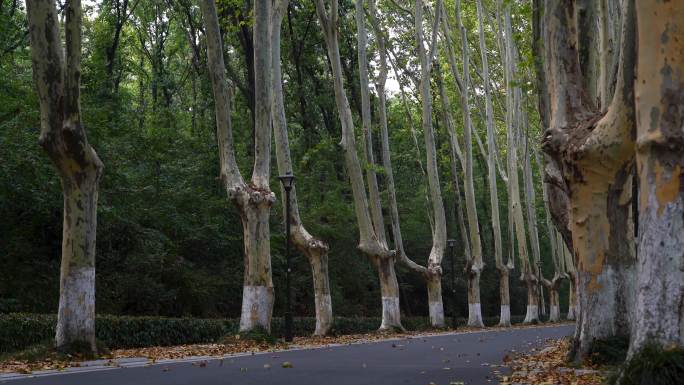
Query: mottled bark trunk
[660, 160]
[318, 259]
[389, 290]
[257, 291]
[57, 75]
[255, 199]
[474, 307]
[595, 152]
[76, 314]
[532, 312]
[315, 250]
[505, 297]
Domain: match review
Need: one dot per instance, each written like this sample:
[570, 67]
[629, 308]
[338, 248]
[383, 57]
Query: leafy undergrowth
[44, 358]
[548, 366]
[653, 365]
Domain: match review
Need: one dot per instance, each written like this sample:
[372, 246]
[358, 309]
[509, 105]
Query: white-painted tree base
[391, 315]
[505, 316]
[76, 314]
[532, 315]
[554, 313]
[436, 314]
[572, 313]
[257, 308]
[475, 315]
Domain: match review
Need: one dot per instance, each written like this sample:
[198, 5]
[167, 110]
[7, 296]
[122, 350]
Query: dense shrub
[652, 365]
[21, 330]
[611, 351]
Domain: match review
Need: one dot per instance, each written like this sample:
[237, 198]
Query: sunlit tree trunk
[313, 248]
[370, 243]
[253, 199]
[596, 153]
[57, 75]
[660, 163]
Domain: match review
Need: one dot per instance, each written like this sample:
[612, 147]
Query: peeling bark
[254, 199]
[57, 75]
[595, 152]
[660, 164]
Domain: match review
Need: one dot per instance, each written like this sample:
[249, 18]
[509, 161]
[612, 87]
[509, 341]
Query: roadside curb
[133, 362]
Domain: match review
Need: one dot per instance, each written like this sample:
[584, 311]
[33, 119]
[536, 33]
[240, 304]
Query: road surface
[470, 358]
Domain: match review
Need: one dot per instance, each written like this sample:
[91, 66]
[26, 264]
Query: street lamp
[287, 181]
[452, 245]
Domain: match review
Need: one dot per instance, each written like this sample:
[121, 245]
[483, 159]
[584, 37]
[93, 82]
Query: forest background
[169, 242]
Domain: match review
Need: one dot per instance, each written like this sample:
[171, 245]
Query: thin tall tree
[315, 249]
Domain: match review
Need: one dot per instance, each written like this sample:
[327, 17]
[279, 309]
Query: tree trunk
[491, 144]
[571, 272]
[434, 267]
[572, 298]
[595, 153]
[371, 177]
[313, 248]
[253, 200]
[532, 221]
[62, 135]
[660, 165]
[369, 242]
[475, 264]
[434, 288]
[554, 305]
[532, 311]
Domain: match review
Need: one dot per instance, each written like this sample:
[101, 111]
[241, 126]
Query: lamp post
[287, 181]
[452, 245]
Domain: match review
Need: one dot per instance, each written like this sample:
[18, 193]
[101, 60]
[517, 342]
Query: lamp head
[287, 180]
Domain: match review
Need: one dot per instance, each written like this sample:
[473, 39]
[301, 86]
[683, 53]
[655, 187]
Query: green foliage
[28, 332]
[652, 365]
[259, 335]
[611, 351]
[169, 243]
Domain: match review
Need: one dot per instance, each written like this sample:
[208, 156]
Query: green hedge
[19, 331]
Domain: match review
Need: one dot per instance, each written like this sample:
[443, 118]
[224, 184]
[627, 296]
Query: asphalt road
[443, 359]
